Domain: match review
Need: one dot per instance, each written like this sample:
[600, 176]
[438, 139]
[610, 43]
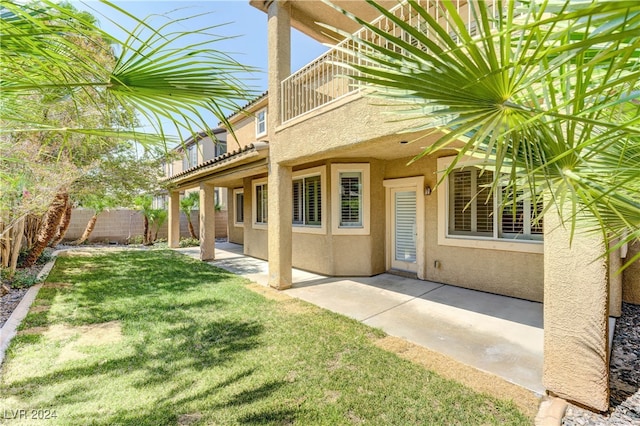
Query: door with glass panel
[403, 229]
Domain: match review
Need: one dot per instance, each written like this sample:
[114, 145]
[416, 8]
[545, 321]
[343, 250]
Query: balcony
[325, 80]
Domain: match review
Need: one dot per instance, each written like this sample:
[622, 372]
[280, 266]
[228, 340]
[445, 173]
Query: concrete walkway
[497, 334]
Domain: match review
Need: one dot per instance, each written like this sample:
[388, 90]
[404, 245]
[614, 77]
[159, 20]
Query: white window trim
[490, 243]
[235, 208]
[254, 204]
[314, 229]
[259, 134]
[336, 169]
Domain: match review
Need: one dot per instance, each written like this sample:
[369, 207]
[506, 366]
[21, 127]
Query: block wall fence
[124, 225]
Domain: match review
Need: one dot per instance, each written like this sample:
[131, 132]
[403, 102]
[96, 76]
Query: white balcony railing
[324, 81]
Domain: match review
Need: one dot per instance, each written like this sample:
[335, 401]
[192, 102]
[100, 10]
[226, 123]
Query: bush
[136, 239]
[23, 278]
[44, 257]
[189, 242]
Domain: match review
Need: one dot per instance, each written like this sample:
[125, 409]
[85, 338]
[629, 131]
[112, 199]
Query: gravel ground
[8, 303]
[624, 380]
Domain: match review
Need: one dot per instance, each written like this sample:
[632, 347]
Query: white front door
[403, 229]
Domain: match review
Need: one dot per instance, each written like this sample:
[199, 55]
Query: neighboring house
[193, 153]
[319, 181]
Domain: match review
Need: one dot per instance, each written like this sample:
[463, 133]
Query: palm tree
[187, 204]
[544, 93]
[52, 54]
[99, 203]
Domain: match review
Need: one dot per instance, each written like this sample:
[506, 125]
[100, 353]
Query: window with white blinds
[307, 201]
[473, 207]
[350, 199]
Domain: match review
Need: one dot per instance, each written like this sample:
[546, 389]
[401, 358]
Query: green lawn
[151, 337]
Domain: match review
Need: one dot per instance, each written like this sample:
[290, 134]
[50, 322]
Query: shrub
[189, 242]
[23, 278]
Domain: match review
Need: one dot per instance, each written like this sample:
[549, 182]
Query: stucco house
[319, 180]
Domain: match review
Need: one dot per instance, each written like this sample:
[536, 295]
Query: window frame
[254, 203]
[236, 192]
[306, 173]
[365, 204]
[494, 242]
[258, 122]
[190, 151]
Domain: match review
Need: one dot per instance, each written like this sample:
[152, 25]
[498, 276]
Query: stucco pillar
[278, 58]
[174, 219]
[280, 229]
[576, 305]
[207, 222]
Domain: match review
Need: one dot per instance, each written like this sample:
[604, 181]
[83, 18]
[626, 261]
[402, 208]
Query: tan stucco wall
[504, 272]
[255, 240]
[335, 128]
[329, 254]
[235, 233]
[576, 364]
[631, 277]
[245, 133]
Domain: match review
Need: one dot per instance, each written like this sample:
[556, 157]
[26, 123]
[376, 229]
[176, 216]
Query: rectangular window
[191, 157]
[261, 210]
[238, 196]
[220, 148]
[471, 202]
[261, 123]
[473, 207]
[307, 201]
[350, 199]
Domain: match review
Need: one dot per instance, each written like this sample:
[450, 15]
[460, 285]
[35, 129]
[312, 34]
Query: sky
[246, 24]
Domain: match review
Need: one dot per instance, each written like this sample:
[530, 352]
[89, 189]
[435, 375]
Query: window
[470, 215]
[238, 216]
[350, 198]
[191, 157]
[220, 148]
[307, 201]
[159, 202]
[470, 202]
[472, 208]
[350, 187]
[261, 123]
[260, 203]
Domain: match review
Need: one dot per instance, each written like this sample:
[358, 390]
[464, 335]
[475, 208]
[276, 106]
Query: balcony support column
[174, 219]
[280, 229]
[279, 58]
[207, 222]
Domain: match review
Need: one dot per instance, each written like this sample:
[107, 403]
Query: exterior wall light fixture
[427, 190]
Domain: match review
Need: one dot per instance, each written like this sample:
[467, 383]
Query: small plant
[45, 257]
[189, 242]
[136, 239]
[22, 278]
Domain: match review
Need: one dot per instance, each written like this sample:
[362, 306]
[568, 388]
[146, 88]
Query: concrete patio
[496, 334]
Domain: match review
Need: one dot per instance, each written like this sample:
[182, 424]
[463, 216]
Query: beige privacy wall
[576, 308]
[631, 277]
[121, 225]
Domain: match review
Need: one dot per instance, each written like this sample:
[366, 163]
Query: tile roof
[254, 147]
